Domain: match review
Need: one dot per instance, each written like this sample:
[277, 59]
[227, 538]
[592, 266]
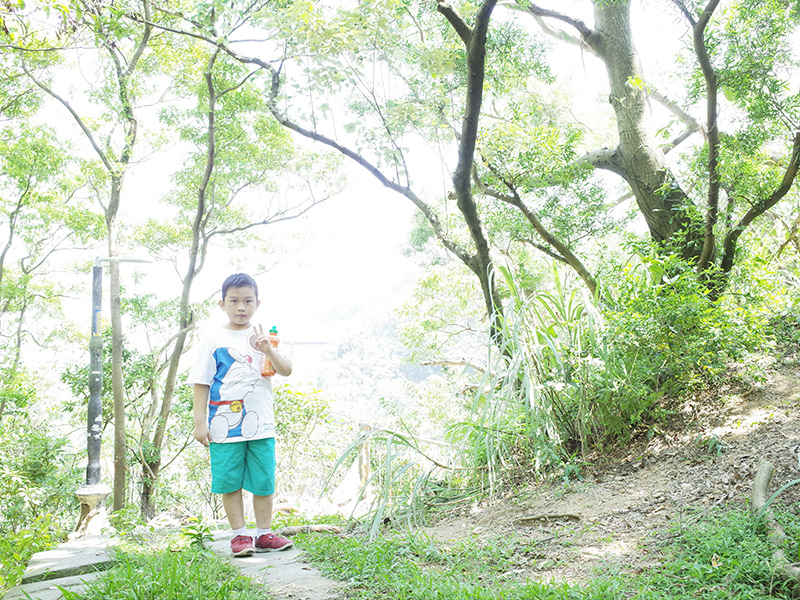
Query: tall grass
[398, 480]
[526, 415]
[171, 572]
[710, 554]
[529, 414]
[567, 377]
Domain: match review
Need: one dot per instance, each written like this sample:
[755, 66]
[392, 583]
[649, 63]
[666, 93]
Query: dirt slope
[615, 515]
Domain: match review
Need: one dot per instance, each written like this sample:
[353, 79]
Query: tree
[120, 50]
[238, 158]
[741, 56]
[41, 216]
[327, 60]
[230, 185]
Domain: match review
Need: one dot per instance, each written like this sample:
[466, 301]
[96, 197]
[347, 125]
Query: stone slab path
[284, 573]
[68, 565]
[72, 564]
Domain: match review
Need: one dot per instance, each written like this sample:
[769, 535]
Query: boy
[240, 428]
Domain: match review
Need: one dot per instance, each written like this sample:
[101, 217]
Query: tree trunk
[151, 468]
[481, 262]
[788, 571]
[117, 386]
[665, 207]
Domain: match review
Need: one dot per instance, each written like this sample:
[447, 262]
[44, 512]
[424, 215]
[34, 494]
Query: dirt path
[610, 516]
[285, 574]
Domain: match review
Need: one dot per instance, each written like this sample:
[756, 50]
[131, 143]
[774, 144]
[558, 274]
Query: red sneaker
[242, 545]
[269, 542]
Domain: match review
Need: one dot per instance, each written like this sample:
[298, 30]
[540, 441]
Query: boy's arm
[201, 432]
[282, 364]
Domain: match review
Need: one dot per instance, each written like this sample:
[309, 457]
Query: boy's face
[240, 304]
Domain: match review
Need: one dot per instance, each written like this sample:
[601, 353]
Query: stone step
[49, 589]
[75, 557]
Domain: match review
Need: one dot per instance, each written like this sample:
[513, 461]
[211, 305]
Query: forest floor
[619, 513]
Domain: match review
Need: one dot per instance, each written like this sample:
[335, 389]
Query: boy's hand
[262, 340]
[202, 434]
[281, 364]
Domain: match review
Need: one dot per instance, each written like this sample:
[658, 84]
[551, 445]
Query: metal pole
[94, 417]
[93, 494]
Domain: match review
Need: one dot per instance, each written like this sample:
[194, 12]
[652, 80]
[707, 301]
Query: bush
[570, 374]
[662, 314]
[17, 547]
[171, 573]
[37, 478]
[573, 373]
[37, 484]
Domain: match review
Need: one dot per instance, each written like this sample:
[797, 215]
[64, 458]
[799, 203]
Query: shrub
[662, 313]
[17, 547]
[37, 477]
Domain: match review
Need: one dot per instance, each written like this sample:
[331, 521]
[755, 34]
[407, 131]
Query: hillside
[617, 515]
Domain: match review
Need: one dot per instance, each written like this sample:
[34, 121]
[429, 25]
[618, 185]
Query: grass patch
[412, 566]
[710, 555]
[17, 547]
[713, 555]
[721, 554]
[174, 572]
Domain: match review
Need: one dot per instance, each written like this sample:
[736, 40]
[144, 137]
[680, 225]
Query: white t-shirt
[240, 398]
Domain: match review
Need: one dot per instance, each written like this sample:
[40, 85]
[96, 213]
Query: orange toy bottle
[267, 370]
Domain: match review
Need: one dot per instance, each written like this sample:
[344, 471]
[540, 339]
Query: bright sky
[348, 269]
[351, 263]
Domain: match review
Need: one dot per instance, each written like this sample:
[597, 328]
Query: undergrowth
[714, 554]
[567, 378]
[17, 547]
[710, 554]
[175, 571]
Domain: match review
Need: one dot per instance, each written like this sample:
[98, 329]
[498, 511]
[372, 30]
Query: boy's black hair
[238, 280]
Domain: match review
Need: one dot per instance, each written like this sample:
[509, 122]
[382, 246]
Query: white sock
[260, 532]
[240, 531]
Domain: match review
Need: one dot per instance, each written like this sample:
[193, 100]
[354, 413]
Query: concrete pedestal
[93, 517]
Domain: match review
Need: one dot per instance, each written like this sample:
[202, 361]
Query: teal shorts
[246, 465]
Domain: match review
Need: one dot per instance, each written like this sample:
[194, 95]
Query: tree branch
[685, 11]
[511, 199]
[791, 236]
[456, 21]
[691, 123]
[675, 142]
[426, 210]
[148, 29]
[103, 158]
[545, 250]
[605, 158]
[759, 208]
[559, 246]
[538, 12]
[710, 76]
[453, 363]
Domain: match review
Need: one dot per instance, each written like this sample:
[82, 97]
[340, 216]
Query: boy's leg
[241, 544]
[262, 507]
[234, 508]
[260, 480]
[227, 473]
[266, 541]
